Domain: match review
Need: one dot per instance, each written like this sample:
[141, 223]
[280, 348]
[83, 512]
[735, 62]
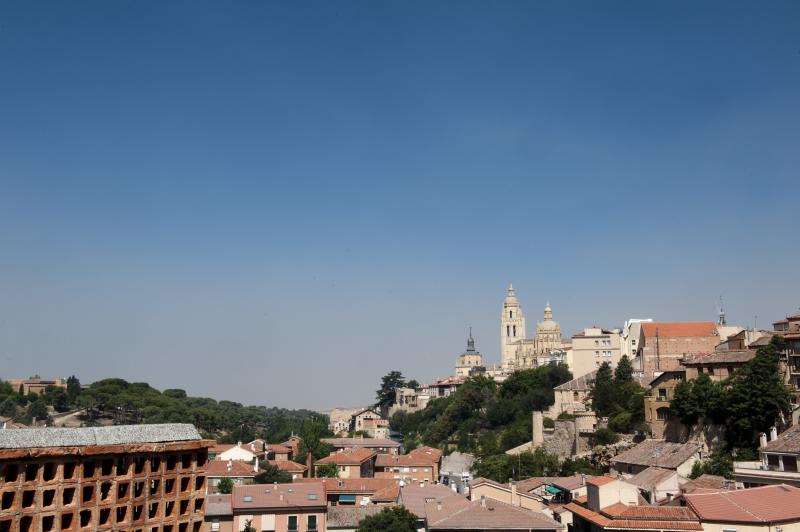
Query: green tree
[757, 397]
[605, 436]
[502, 467]
[624, 371]
[271, 474]
[326, 471]
[571, 467]
[73, 390]
[393, 518]
[225, 486]
[248, 526]
[311, 433]
[8, 407]
[720, 463]
[385, 395]
[699, 400]
[412, 384]
[603, 394]
[38, 410]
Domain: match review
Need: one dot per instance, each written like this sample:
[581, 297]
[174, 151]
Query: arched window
[515, 330]
[510, 314]
[508, 330]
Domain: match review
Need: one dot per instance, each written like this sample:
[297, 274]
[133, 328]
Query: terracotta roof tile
[599, 481]
[650, 477]
[738, 356]
[765, 504]
[714, 482]
[288, 465]
[456, 512]
[363, 486]
[414, 497]
[264, 496]
[658, 453]
[787, 441]
[650, 523]
[680, 329]
[238, 468]
[348, 457]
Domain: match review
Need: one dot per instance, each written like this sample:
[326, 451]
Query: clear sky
[279, 202]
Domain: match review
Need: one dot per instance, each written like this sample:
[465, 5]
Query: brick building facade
[139, 478]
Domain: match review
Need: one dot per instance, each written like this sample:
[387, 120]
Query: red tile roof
[277, 496]
[405, 460]
[348, 457]
[276, 448]
[665, 522]
[414, 497]
[661, 513]
[687, 328]
[238, 468]
[599, 481]
[456, 512]
[429, 452]
[288, 465]
[363, 486]
[787, 441]
[766, 504]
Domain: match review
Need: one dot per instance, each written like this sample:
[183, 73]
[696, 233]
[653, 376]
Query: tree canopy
[394, 518]
[384, 396]
[750, 401]
[617, 396]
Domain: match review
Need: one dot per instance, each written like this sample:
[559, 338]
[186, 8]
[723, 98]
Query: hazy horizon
[279, 203]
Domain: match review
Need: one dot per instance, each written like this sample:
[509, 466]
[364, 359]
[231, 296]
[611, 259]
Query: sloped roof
[288, 465]
[651, 477]
[238, 469]
[360, 442]
[765, 504]
[658, 453]
[347, 457]
[599, 481]
[363, 486]
[114, 435]
[430, 452]
[704, 481]
[405, 460]
[311, 494]
[787, 441]
[581, 383]
[680, 329]
[456, 512]
[658, 518]
[625, 511]
[414, 497]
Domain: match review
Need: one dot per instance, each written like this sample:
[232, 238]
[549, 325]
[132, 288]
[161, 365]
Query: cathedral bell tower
[512, 328]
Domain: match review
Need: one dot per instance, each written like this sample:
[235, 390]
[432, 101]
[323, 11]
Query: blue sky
[278, 203]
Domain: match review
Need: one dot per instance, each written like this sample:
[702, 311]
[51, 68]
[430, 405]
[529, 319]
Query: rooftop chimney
[255, 465]
[483, 501]
[439, 505]
[762, 440]
[230, 465]
[773, 433]
[583, 479]
[514, 500]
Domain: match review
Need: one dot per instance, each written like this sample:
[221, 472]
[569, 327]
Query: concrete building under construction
[148, 478]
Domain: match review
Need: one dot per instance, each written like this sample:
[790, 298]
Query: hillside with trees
[116, 401]
[483, 417]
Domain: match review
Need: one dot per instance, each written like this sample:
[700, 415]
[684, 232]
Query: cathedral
[517, 351]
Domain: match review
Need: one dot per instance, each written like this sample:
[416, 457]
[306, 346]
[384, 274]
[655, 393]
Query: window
[267, 523]
[292, 523]
[710, 370]
[663, 414]
[311, 523]
[514, 328]
[508, 330]
[662, 393]
[510, 314]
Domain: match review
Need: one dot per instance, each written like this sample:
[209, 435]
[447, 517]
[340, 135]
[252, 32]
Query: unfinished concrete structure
[145, 478]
